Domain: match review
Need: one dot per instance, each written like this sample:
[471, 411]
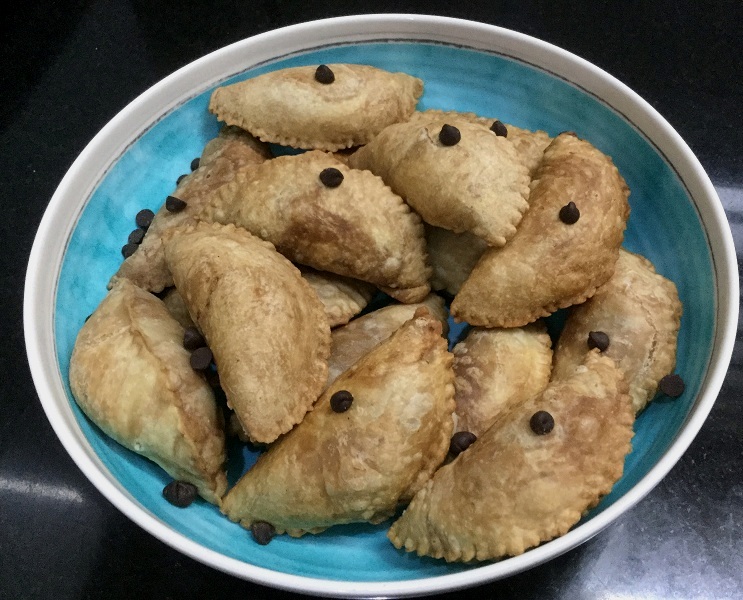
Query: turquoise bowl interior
[664, 226]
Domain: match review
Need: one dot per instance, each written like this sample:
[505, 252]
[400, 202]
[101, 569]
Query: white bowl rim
[49, 246]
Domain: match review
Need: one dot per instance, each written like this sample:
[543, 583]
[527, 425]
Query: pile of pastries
[312, 290]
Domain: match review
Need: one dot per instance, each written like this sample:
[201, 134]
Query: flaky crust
[342, 297]
[130, 374]
[289, 107]
[358, 465]
[530, 145]
[513, 489]
[477, 185]
[265, 326]
[231, 150]
[549, 264]
[640, 311]
[352, 341]
[452, 257]
[359, 229]
[496, 369]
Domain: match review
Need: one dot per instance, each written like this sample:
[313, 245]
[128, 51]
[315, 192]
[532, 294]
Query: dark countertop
[70, 66]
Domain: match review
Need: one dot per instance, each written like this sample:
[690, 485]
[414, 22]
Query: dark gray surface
[68, 67]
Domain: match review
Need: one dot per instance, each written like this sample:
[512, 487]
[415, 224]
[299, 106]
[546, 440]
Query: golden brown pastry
[358, 465]
[231, 150]
[352, 341]
[514, 488]
[497, 369]
[476, 184]
[263, 323]
[530, 145]
[293, 108]
[640, 312]
[130, 374]
[358, 228]
[566, 246]
[452, 257]
[342, 297]
[177, 308]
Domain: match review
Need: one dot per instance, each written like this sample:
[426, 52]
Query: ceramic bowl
[677, 222]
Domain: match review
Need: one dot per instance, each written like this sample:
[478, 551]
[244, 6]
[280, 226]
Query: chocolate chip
[192, 339]
[136, 236]
[499, 128]
[672, 386]
[541, 422]
[460, 441]
[569, 213]
[262, 532]
[195, 163]
[341, 401]
[201, 358]
[144, 218]
[598, 339]
[128, 249]
[331, 177]
[181, 178]
[323, 74]
[449, 135]
[174, 205]
[180, 493]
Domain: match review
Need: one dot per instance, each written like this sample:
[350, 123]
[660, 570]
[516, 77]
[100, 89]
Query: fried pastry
[222, 156]
[531, 476]
[640, 312]
[452, 257]
[371, 441]
[566, 246]
[263, 323]
[130, 374]
[530, 145]
[320, 213]
[342, 297]
[497, 369]
[326, 108]
[467, 180]
[352, 341]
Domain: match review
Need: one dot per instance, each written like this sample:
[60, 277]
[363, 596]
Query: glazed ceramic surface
[675, 221]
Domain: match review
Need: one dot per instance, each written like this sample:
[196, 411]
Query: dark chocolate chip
[541, 422]
[598, 339]
[323, 74]
[128, 249]
[672, 386]
[195, 163]
[174, 205]
[331, 177]
[460, 441]
[144, 218]
[341, 401]
[192, 339]
[569, 213]
[262, 532]
[136, 236]
[201, 358]
[449, 135]
[499, 128]
[181, 178]
[180, 493]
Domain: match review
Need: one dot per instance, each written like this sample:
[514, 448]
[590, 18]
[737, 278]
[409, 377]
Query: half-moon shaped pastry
[497, 369]
[263, 323]
[530, 145]
[231, 150]
[342, 297]
[293, 107]
[352, 341]
[359, 464]
[452, 257]
[130, 374]
[513, 488]
[353, 225]
[476, 184]
[566, 245]
[640, 312]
